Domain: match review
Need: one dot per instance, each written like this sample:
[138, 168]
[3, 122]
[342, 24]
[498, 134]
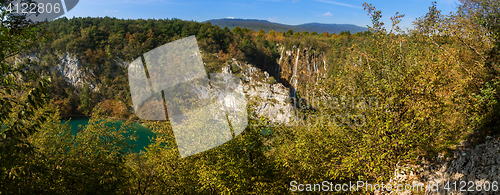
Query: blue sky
[281, 11]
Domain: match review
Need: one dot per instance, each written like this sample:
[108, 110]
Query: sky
[290, 12]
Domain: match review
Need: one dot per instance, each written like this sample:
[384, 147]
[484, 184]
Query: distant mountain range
[267, 26]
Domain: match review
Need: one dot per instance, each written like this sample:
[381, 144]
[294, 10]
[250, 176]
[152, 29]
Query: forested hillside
[103, 45]
[384, 97]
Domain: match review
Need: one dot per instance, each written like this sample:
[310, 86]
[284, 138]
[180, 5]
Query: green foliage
[271, 80]
[92, 161]
[261, 33]
[85, 99]
[422, 82]
[417, 92]
[296, 35]
[239, 166]
[480, 18]
[272, 33]
[22, 93]
[345, 33]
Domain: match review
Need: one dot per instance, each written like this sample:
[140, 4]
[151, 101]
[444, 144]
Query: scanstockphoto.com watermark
[357, 186]
[449, 186]
[348, 111]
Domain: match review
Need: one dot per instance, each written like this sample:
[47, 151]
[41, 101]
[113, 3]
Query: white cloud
[229, 17]
[273, 19]
[327, 14]
[111, 11]
[295, 1]
[337, 3]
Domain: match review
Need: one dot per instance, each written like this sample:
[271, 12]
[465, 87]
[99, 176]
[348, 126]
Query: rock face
[228, 90]
[31, 56]
[471, 171]
[270, 100]
[121, 63]
[301, 68]
[69, 67]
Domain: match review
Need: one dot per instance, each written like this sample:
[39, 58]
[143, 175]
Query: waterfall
[281, 56]
[278, 69]
[315, 68]
[306, 55]
[294, 76]
[314, 63]
[324, 62]
[308, 64]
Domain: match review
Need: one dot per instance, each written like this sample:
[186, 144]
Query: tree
[272, 33]
[247, 46]
[85, 99]
[22, 93]
[90, 162]
[345, 33]
[296, 35]
[261, 33]
[237, 30]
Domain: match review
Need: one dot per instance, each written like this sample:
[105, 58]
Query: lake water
[143, 134]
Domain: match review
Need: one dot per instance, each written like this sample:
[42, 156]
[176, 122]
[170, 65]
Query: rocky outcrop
[70, 67]
[268, 99]
[228, 90]
[300, 69]
[271, 101]
[31, 56]
[459, 174]
[121, 63]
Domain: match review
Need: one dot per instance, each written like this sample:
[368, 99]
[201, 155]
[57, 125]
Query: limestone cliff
[70, 67]
[266, 97]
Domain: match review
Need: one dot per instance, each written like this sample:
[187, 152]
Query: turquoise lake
[143, 134]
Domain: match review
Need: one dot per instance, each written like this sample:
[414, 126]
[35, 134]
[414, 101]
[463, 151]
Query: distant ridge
[267, 26]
